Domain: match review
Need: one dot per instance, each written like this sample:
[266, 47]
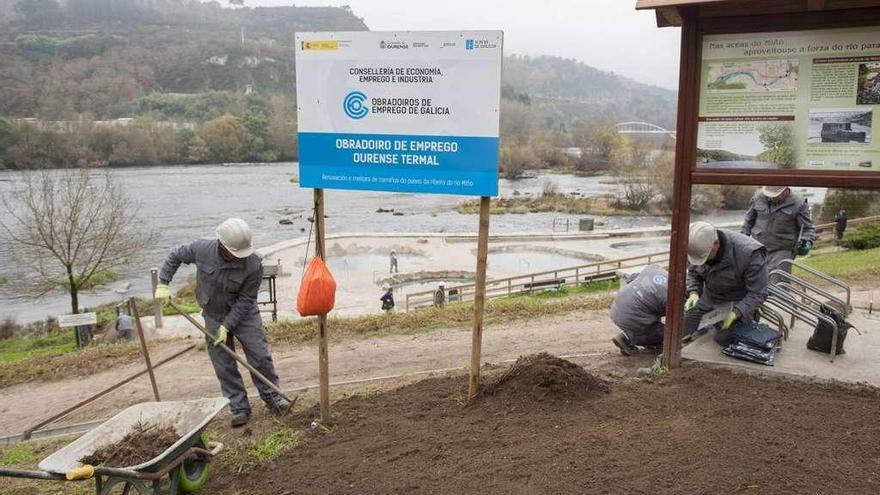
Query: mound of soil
[543, 377]
[142, 443]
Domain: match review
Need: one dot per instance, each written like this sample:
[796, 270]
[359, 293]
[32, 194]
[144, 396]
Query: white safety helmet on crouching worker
[235, 235]
[773, 192]
[701, 238]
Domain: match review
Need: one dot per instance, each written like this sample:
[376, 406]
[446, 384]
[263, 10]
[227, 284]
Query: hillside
[576, 91]
[205, 82]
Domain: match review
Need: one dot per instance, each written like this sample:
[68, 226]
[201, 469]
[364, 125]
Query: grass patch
[3, 280]
[274, 444]
[86, 362]
[18, 455]
[449, 316]
[18, 349]
[558, 203]
[253, 451]
[597, 287]
[851, 266]
[99, 278]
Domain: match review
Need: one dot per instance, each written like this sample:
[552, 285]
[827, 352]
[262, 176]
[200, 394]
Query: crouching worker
[228, 280]
[725, 267]
[638, 308]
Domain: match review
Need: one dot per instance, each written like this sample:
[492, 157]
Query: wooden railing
[532, 282]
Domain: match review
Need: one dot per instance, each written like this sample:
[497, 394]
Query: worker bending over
[724, 267]
[780, 220]
[228, 278]
[638, 308]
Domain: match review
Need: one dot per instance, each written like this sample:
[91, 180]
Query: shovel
[716, 315]
[235, 356]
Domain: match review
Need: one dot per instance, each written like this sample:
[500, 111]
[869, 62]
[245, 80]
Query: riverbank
[557, 203]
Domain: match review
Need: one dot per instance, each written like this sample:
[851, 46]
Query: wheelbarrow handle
[33, 475]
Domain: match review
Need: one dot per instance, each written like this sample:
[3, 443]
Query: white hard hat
[235, 235]
[442, 284]
[701, 237]
[773, 191]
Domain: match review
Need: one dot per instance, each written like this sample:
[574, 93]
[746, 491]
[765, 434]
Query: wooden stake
[132, 304]
[479, 298]
[323, 361]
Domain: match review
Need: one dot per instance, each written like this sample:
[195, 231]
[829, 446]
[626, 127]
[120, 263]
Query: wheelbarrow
[186, 463]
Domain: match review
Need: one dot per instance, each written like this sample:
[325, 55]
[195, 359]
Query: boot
[622, 342]
[239, 419]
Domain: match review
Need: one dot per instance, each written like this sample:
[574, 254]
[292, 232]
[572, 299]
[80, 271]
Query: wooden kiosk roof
[669, 11]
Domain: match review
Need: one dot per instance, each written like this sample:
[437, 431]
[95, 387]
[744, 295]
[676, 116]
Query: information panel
[399, 111]
[802, 99]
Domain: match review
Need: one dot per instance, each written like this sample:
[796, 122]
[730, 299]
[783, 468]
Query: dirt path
[192, 376]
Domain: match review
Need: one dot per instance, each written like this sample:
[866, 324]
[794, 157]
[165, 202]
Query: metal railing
[532, 282]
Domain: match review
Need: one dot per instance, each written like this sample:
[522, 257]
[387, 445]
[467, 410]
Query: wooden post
[323, 362]
[479, 298]
[132, 304]
[157, 303]
[685, 160]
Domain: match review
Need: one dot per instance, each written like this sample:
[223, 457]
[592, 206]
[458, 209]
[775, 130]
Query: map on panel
[754, 76]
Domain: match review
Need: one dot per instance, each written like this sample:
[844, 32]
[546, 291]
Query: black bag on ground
[822, 335]
[755, 342]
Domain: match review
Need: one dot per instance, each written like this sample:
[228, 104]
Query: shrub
[865, 237]
[8, 328]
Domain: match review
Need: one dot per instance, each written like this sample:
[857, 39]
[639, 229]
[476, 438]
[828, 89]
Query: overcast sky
[607, 34]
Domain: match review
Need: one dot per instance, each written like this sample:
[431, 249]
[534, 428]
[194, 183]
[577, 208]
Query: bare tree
[68, 227]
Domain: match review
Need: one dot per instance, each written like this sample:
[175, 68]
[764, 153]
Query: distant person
[387, 299]
[124, 325]
[638, 310]
[780, 220]
[724, 267]
[393, 268]
[840, 225]
[228, 278]
[440, 295]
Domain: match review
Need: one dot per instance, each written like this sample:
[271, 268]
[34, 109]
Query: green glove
[220, 337]
[731, 318]
[692, 301]
[162, 292]
[804, 248]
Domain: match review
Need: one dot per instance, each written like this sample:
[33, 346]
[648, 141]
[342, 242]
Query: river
[186, 202]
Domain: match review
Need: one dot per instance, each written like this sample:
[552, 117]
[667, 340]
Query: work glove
[162, 292]
[804, 248]
[220, 337]
[731, 318]
[692, 301]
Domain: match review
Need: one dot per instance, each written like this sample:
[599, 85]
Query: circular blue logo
[660, 279]
[354, 106]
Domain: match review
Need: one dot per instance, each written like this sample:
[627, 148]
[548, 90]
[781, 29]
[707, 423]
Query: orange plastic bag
[317, 291]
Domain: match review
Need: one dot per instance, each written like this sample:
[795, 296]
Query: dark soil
[692, 431]
[143, 443]
[542, 377]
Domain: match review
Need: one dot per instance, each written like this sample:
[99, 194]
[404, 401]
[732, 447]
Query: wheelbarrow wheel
[194, 472]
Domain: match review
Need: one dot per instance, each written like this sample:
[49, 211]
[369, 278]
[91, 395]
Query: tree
[72, 228]
[778, 144]
[224, 137]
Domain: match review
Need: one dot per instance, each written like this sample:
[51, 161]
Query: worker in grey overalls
[638, 309]
[780, 220]
[724, 267]
[228, 278]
